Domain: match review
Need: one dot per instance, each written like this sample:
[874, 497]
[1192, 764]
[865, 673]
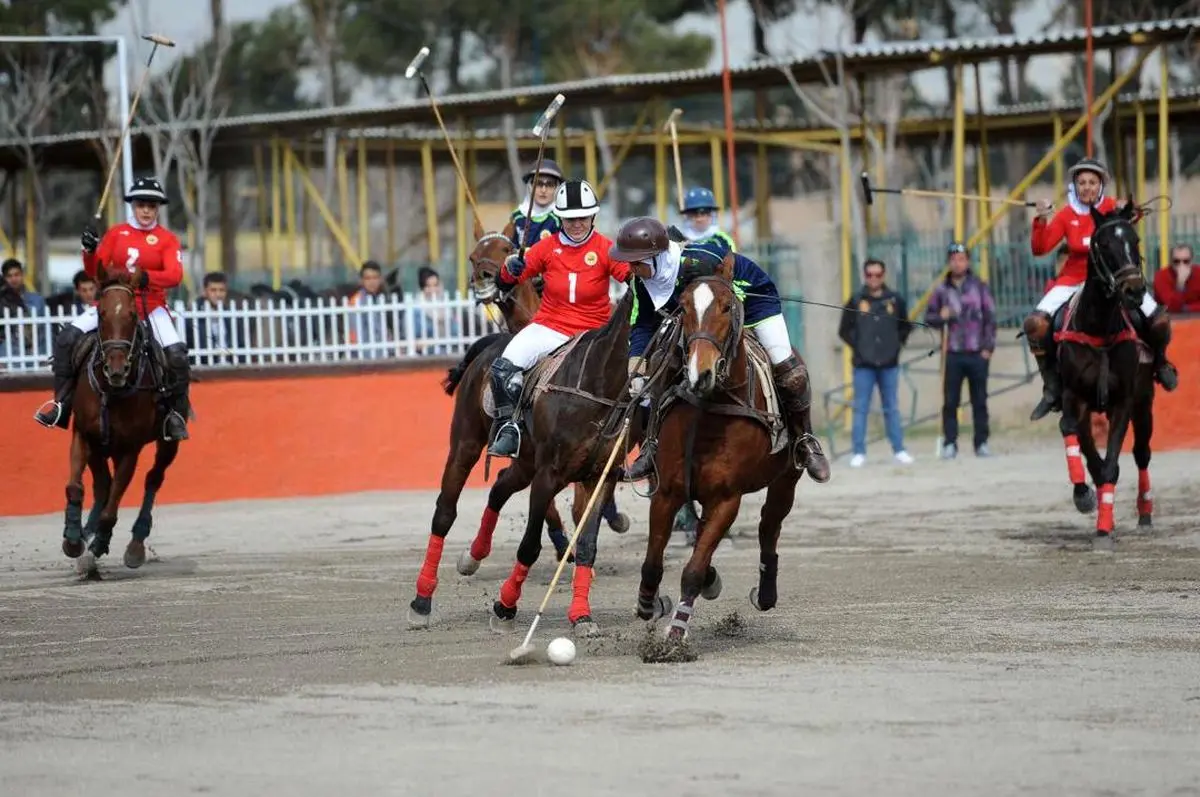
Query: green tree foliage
[55, 17]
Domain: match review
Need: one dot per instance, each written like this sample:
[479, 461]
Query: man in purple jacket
[963, 304]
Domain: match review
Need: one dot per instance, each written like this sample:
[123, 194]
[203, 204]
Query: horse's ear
[1097, 216]
[479, 232]
[725, 270]
[1129, 210]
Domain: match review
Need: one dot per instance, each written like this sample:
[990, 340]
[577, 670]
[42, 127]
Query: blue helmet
[703, 257]
[699, 199]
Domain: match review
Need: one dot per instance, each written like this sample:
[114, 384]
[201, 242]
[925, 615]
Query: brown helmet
[640, 239]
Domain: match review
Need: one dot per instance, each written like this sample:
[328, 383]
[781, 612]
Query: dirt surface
[943, 628]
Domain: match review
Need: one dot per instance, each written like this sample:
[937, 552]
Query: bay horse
[117, 413]
[470, 429]
[1105, 368]
[721, 435]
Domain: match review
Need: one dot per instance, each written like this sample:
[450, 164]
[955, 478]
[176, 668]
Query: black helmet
[640, 239]
[146, 189]
[549, 169]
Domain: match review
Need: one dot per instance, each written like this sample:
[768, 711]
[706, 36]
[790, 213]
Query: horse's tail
[456, 374]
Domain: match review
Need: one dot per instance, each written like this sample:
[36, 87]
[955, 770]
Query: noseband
[728, 346]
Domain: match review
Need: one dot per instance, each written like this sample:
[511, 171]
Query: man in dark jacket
[875, 326]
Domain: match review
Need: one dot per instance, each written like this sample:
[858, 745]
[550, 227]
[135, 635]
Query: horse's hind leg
[1143, 431]
[72, 544]
[164, 455]
[546, 484]
[554, 530]
[780, 496]
[101, 487]
[1084, 496]
[699, 574]
[85, 565]
[580, 611]
[513, 479]
[617, 520]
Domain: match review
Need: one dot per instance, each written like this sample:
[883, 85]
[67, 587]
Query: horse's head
[1115, 256]
[712, 330]
[119, 327]
[487, 258]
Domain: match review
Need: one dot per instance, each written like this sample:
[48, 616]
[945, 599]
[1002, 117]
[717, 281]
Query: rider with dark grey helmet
[543, 222]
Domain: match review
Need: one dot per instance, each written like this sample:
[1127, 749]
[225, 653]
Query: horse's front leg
[663, 505]
[698, 574]
[1110, 472]
[1074, 425]
[1143, 431]
[546, 484]
[164, 455]
[554, 530]
[512, 480]
[122, 475]
[780, 495]
[72, 544]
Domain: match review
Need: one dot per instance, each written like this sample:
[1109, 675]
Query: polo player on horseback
[1075, 224]
[543, 222]
[145, 247]
[576, 267]
[672, 266]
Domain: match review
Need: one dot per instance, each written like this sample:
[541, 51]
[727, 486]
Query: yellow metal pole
[1021, 187]
[431, 205]
[289, 201]
[881, 177]
[9, 247]
[460, 231]
[589, 159]
[623, 152]
[847, 267]
[1164, 153]
[389, 186]
[31, 267]
[339, 234]
[1060, 170]
[982, 169]
[276, 214]
[718, 168]
[960, 154]
[260, 177]
[364, 210]
[343, 183]
[560, 145]
[1139, 148]
[660, 173]
[306, 209]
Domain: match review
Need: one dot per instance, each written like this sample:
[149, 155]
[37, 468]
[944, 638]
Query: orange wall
[261, 438]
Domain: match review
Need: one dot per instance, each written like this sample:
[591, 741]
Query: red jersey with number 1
[575, 296]
[156, 251]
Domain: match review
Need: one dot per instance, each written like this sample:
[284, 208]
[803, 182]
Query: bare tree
[30, 91]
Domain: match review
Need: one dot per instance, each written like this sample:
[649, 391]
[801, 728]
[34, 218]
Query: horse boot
[175, 424]
[506, 390]
[791, 379]
[1038, 333]
[1156, 332]
[57, 411]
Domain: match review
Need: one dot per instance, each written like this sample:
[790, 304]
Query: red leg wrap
[481, 547]
[427, 580]
[580, 607]
[1074, 460]
[1104, 517]
[510, 592]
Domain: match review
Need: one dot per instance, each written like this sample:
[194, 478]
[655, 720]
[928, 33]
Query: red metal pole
[730, 152]
[1090, 73]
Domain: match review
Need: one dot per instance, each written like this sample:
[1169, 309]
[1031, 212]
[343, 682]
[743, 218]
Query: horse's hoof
[712, 590]
[420, 611]
[620, 524]
[86, 565]
[1085, 501]
[72, 548]
[1145, 521]
[663, 606]
[754, 601]
[135, 554]
[585, 627]
[467, 564]
[499, 625]
[1102, 542]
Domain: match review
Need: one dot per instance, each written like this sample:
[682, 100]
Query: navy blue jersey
[544, 225]
[749, 277]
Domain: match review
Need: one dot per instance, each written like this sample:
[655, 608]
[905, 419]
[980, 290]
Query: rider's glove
[514, 266]
[89, 240]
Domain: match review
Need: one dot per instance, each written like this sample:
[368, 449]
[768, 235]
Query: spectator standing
[213, 335]
[875, 326]
[13, 273]
[963, 307]
[1177, 287]
[369, 327]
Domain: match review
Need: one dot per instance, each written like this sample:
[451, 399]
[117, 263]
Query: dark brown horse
[470, 429]
[720, 438]
[1106, 369]
[117, 413]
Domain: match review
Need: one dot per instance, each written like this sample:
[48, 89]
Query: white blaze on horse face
[702, 299]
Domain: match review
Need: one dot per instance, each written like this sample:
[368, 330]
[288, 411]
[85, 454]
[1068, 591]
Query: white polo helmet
[576, 200]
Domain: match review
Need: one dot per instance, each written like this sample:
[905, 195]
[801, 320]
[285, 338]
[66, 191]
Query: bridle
[131, 345]
[727, 347]
[1101, 266]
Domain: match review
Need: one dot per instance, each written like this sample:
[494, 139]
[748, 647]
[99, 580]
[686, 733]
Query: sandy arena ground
[942, 629]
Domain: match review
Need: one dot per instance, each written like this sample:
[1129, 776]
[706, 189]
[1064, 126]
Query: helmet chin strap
[567, 238]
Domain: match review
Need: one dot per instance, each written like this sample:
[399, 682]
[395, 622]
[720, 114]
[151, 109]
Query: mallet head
[157, 39]
[672, 119]
[866, 184]
[548, 115]
[415, 65]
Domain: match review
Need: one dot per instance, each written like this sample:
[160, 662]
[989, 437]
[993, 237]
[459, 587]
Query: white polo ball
[561, 651]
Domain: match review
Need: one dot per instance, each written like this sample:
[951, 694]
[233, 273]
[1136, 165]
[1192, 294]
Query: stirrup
[166, 434]
[506, 425]
[57, 407]
[808, 445]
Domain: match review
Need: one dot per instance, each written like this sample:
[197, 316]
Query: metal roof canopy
[867, 59]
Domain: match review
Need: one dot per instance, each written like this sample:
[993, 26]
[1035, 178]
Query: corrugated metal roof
[875, 57]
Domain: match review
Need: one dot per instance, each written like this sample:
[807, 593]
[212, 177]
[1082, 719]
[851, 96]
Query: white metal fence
[269, 331]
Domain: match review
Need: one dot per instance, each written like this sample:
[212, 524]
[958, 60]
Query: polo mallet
[869, 191]
[414, 68]
[137, 95]
[522, 653]
[541, 129]
[670, 128]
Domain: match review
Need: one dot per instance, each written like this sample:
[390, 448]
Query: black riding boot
[643, 466]
[1156, 332]
[175, 424]
[1040, 334]
[791, 378]
[506, 390]
[57, 411]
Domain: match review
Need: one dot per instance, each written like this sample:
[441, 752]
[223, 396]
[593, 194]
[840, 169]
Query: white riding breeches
[1059, 295]
[161, 325]
[531, 344]
[772, 333]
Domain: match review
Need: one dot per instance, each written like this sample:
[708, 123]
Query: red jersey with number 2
[155, 251]
[575, 296]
